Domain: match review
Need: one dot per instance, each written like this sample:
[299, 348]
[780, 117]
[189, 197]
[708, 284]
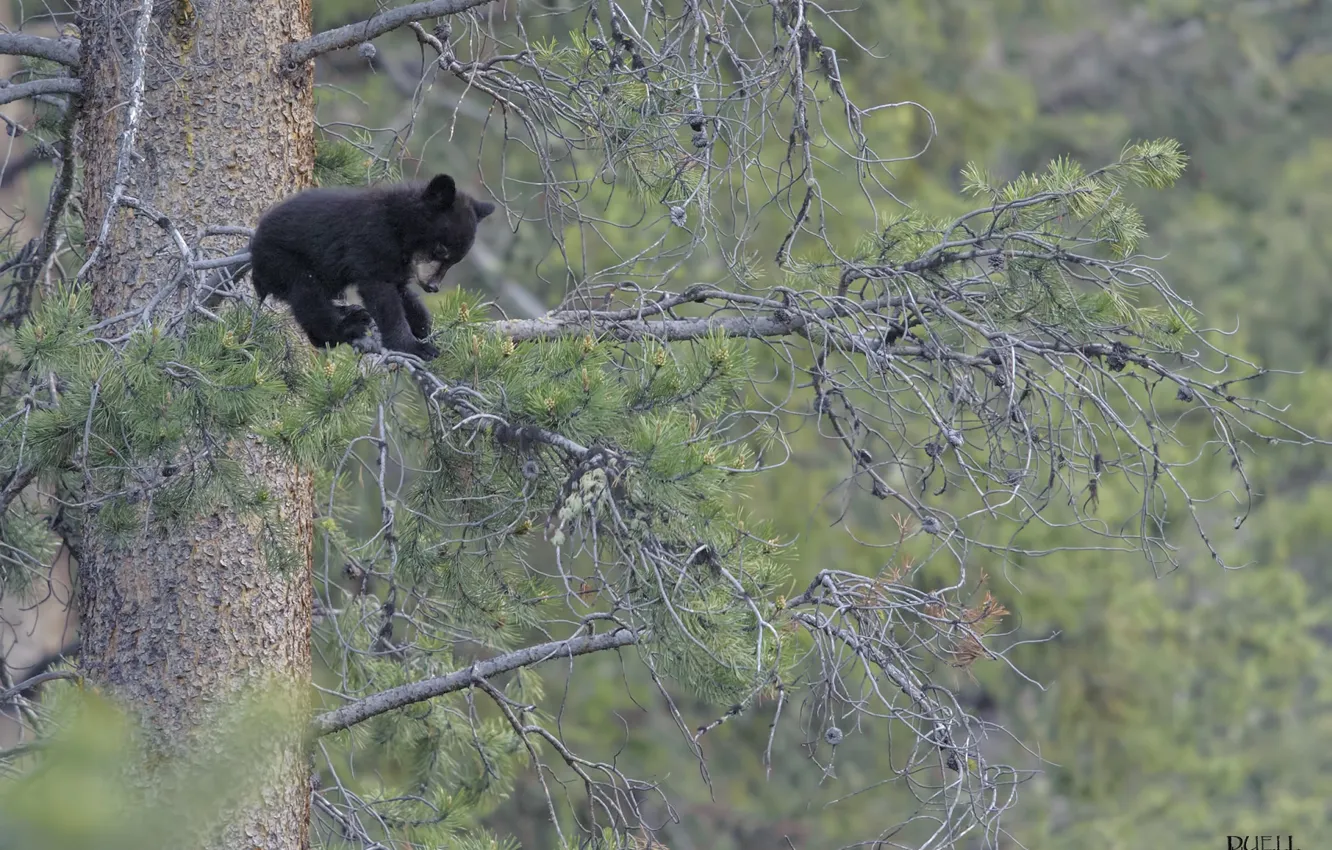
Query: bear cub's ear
[441, 191]
[483, 209]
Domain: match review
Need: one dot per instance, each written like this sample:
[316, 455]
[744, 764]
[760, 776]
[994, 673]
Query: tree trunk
[173, 625]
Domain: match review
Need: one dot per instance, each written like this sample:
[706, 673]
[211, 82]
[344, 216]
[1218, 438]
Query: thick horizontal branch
[63, 50]
[54, 85]
[560, 325]
[222, 262]
[631, 324]
[352, 713]
[781, 322]
[297, 54]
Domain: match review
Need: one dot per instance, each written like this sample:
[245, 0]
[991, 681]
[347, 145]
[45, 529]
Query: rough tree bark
[176, 623]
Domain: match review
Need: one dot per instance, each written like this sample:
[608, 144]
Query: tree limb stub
[364, 709]
[296, 55]
[19, 480]
[62, 50]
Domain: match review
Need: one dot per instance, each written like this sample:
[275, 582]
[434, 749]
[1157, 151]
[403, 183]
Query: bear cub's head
[446, 228]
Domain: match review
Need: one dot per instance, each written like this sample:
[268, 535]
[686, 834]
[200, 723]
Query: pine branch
[53, 85]
[364, 709]
[296, 55]
[63, 50]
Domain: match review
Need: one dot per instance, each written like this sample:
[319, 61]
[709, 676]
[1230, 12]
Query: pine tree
[553, 488]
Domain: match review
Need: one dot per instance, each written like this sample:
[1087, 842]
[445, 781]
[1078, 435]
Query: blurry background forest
[1166, 709]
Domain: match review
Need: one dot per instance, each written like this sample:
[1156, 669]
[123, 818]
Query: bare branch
[53, 85]
[222, 262]
[140, 58]
[303, 51]
[64, 50]
[351, 714]
[15, 485]
[558, 325]
[61, 189]
[939, 733]
[41, 154]
[34, 681]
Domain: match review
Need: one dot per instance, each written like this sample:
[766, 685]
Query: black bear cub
[312, 246]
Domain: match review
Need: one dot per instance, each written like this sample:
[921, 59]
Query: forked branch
[301, 52]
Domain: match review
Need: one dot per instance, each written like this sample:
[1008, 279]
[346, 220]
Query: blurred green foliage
[95, 784]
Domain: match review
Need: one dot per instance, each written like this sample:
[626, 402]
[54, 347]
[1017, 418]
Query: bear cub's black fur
[312, 246]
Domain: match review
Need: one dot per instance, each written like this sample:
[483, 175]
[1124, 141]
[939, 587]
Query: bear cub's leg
[355, 321]
[418, 315]
[386, 305]
[325, 323]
